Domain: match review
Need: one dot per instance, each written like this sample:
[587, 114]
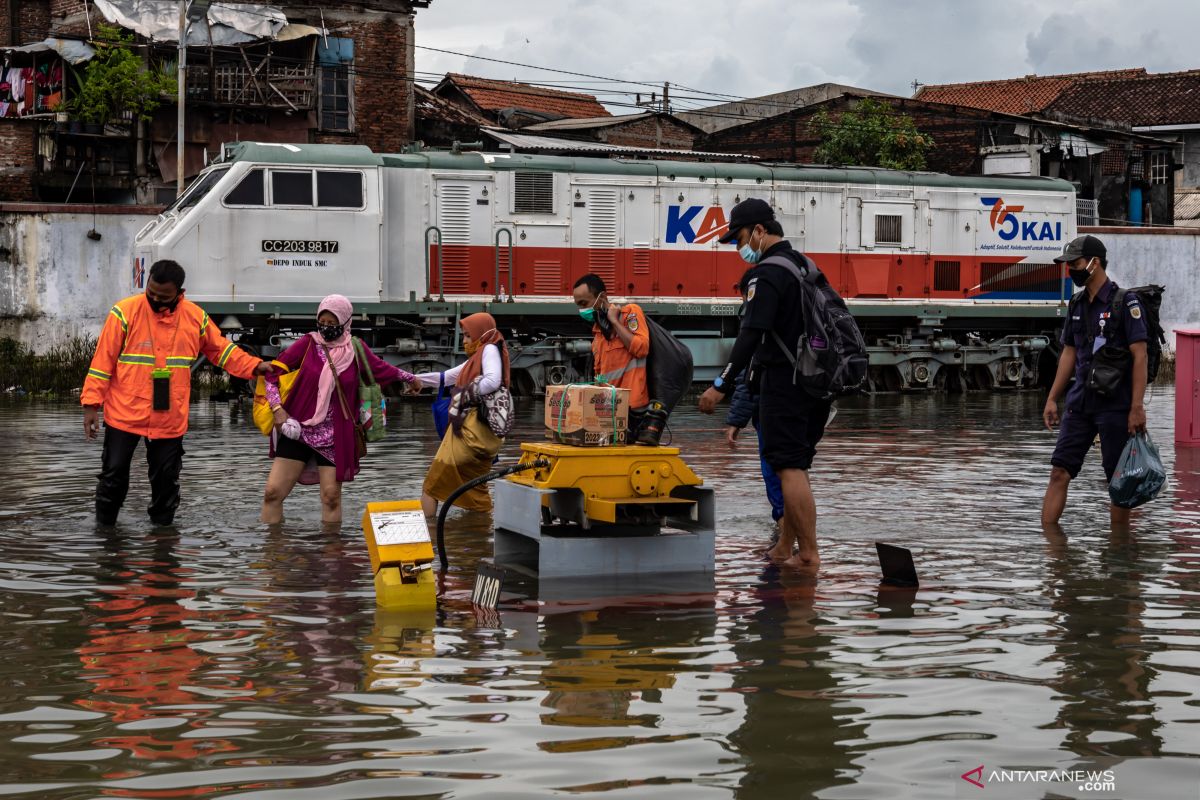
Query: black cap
[751, 211]
[1088, 247]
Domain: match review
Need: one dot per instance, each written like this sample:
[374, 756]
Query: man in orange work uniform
[620, 344]
[141, 375]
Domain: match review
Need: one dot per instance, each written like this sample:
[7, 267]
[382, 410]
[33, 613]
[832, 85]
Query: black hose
[468, 486]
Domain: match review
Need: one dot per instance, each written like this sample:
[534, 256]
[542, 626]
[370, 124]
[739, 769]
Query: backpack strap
[807, 276]
[363, 368]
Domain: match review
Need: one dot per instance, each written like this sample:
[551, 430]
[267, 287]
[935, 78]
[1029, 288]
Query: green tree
[870, 135]
[117, 80]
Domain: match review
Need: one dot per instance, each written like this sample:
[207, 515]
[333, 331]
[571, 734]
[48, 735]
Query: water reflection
[223, 658]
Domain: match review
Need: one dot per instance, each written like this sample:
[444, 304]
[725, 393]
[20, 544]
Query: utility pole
[182, 64]
[189, 12]
[666, 106]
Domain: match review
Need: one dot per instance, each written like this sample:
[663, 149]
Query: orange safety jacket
[134, 341]
[621, 366]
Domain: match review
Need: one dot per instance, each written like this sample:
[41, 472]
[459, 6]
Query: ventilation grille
[888, 229]
[996, 277]
[947, 276]
[454, 222]
[533, 193]
[641, 258]
[603, 234]
[547, 277]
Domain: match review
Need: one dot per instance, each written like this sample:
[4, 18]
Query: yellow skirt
[463, 456]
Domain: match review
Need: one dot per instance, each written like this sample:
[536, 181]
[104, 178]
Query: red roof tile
[1028, 95]
[1166, 98]
[492, 95]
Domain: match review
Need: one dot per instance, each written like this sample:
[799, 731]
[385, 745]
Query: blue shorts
[1077, 432]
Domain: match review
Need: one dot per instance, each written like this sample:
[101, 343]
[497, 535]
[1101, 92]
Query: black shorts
[1077, 432]
[298, 451]
[791, 422]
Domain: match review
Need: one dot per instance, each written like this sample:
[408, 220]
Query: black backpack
[668, 367]
[1151, 301]
[830, 359]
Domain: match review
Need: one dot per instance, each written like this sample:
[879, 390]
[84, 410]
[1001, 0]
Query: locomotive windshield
[197, 190]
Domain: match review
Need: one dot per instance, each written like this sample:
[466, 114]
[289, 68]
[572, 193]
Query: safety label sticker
[399, 527]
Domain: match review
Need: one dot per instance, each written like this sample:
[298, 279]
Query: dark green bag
[370, 398]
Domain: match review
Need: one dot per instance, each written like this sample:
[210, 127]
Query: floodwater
[219, 659]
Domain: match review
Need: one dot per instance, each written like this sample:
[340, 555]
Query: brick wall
[70, 17]
[17, 159]
[33, 22]
[650, 132]
[794, 137]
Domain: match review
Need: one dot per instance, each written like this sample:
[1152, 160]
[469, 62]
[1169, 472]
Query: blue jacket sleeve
[742, 405]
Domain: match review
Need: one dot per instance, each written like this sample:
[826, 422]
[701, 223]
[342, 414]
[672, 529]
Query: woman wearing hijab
[314, 439]
[469, 446]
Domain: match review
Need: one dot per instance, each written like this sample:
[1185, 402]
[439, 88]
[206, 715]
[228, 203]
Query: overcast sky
[755, 47]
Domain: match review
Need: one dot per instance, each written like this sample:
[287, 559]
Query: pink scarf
[341, 351]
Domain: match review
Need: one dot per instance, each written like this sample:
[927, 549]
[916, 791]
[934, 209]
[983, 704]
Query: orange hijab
[482, 328]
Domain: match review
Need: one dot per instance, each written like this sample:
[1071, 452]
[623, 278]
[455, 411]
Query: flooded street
[218, 659]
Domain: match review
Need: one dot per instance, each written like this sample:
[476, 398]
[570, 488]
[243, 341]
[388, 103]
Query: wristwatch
[719, 382]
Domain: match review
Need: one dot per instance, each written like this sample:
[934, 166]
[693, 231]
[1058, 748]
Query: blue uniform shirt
[1120, 329]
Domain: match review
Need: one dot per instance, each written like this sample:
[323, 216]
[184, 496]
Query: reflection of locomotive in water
[951, 279]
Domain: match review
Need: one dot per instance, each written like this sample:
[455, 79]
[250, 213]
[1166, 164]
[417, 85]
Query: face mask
[331, 332]
[749, 254]
[1079, 277]
[589, 314]
[158, 306]
[470, 347]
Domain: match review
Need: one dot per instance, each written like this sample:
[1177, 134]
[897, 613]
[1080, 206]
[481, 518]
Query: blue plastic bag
[440, 408]
[1139, 475]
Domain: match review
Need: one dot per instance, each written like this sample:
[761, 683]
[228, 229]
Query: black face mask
[158, 306]
[1079, 277]
[331, 332]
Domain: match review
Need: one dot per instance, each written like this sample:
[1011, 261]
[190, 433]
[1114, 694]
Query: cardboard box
[587, 415]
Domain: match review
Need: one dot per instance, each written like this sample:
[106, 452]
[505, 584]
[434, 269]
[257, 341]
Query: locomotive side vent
[947, 276]
[533, 193]
[888, 229]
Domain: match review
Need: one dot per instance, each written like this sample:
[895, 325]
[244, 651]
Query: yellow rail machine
[620, 510]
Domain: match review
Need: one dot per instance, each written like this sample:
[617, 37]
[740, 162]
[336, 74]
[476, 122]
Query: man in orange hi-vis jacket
[620, 344]
[141, 377]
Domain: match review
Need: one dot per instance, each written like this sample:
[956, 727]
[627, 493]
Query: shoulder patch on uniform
[631, 322]
[1135, 312]
[750, 289]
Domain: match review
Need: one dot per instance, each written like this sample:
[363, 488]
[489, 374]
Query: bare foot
[779, 554]
[803, 561]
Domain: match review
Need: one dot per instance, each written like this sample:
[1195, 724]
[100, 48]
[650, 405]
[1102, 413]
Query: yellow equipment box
[611, 479]
[401, 554]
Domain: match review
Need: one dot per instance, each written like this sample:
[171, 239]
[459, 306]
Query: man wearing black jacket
[792, 422]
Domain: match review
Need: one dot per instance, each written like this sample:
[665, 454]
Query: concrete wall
[1140, 256]
[55, 282]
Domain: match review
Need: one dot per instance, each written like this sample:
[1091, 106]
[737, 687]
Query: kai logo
[1006, 225]
[681, 222]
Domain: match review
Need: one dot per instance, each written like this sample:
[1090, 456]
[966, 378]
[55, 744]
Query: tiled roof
[1187, 206]
[492, 95]
[1031, 94]
[1167, 98]
[430, 106]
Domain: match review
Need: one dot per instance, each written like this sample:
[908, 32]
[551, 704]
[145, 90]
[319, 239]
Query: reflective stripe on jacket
[620, 366]
[133, 343]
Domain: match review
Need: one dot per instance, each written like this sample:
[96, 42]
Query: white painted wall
[1166, 258]
[55, 283]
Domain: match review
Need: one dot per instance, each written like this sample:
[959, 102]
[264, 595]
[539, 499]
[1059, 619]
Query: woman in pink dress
[314, 439]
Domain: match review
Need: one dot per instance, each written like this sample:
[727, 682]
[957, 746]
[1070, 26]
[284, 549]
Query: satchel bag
[497, 410]
[360, 436]
[1110, 365]
[370, 397]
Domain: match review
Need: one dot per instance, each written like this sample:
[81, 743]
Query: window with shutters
[533, 193]
[888, 229]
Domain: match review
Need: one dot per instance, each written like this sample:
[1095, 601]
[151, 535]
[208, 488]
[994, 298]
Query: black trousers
[164, 457]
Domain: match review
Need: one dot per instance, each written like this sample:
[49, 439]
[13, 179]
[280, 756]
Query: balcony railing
[263, 85]
[1087, 212]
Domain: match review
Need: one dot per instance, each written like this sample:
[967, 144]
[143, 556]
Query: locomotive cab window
[339, 189]
[533, 193]
[291, 187]
[196, 192]
[250, 191]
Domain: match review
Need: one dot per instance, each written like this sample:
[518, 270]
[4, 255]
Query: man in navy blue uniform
[1100, 316]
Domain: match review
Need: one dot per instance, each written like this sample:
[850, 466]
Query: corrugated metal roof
[525, 141]
[73, 51]
[586, 123]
